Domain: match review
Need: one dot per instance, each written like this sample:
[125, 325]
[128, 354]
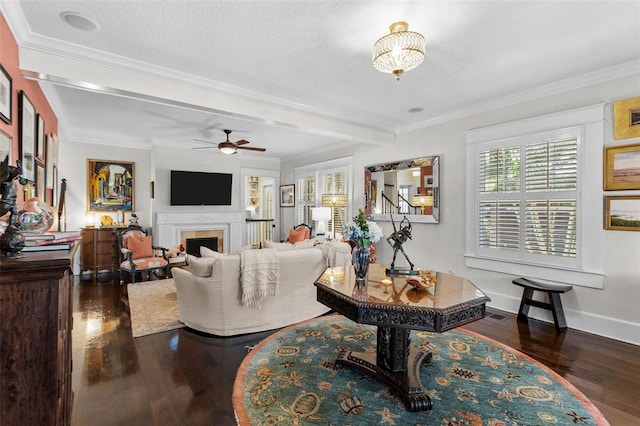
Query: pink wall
[9, 58]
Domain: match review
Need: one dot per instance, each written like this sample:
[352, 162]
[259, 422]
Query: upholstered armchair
[138, 254]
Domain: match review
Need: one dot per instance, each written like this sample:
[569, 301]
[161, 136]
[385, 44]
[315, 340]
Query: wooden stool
[554, 305]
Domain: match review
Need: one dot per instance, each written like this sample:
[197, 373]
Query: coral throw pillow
[299, 234]
[140, 248]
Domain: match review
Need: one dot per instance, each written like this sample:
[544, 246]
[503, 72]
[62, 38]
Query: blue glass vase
[360, 258]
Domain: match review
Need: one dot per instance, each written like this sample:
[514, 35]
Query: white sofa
[213, 304]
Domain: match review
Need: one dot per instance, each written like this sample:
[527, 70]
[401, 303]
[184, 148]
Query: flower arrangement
[363, 232]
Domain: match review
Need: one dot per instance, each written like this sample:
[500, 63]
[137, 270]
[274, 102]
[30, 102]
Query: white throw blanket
[336, 254]
[259, 275]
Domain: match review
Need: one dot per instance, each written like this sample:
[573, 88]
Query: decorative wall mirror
[404, 188]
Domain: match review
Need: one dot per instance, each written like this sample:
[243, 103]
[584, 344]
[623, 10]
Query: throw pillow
[140, 248]
[207, 252]
[201, 266]
[300, 234]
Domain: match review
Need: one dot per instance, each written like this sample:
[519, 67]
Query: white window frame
[344, 165]
[587, 268]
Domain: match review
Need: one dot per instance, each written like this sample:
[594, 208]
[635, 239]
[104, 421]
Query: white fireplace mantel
[168, 225]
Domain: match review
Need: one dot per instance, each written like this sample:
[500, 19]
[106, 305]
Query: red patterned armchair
[137, 254]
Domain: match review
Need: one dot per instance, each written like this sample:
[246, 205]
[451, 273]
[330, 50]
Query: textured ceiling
[315, 57]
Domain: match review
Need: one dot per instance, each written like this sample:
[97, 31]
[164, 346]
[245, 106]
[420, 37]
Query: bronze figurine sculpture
[11, 241]
[396, 240]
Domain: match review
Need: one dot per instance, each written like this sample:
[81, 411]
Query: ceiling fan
[228, 147]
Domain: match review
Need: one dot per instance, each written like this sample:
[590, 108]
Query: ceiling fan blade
[248, 148]
[209, 142]
[204, 147]
[240, 142]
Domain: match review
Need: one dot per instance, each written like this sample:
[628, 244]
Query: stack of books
[50, 241]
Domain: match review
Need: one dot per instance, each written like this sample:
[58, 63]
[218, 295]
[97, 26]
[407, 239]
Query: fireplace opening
[193, 245]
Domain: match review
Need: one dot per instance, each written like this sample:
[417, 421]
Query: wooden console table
[396, 309]
[35, 338]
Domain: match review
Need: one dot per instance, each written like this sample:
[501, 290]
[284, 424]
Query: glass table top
[430, 289]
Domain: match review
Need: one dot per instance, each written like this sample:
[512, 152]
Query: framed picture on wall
[27, 136]
[622, 167]
[40, 146]
[110, 186]
[5, 147]
[622, 213]
[41, 183]
[49, 163]
[287, 195]
[626, 118]
[6, 93]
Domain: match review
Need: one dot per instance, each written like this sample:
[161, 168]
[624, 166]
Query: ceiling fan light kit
[227, 148]
[399, 51]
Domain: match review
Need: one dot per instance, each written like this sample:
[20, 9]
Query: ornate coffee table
[396, 308]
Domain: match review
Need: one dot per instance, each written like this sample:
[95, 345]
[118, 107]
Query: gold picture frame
[622, 167]
[622, 213]
[626, 118]
[110, 186]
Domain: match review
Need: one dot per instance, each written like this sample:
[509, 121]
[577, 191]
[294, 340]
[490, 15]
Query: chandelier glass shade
[399, 51]
[227, 148]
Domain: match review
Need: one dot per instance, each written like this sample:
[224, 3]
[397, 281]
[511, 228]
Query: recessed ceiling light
[417, 109]
[79, 21]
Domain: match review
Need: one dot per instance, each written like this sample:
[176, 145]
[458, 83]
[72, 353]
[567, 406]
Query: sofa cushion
[278, 246]
[201, 266]
[305, 244]
[140, 247]
[207, 252]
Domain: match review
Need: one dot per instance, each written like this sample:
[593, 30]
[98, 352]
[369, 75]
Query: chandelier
[399, 51]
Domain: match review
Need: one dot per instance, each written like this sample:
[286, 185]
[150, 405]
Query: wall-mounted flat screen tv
[200, 188]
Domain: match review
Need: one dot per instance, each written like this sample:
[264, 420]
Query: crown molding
[584, 80]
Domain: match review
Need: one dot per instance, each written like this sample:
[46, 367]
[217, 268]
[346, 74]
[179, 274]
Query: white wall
[613, 311]
[73, 166]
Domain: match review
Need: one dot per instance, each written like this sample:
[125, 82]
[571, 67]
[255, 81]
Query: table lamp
[422, 201]
[321, 215]
[333, 201]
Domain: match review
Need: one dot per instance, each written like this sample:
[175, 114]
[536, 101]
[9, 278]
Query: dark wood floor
[181, 378]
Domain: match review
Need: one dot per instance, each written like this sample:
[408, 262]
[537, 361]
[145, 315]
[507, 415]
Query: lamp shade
[422, 200]
[334, 200]
[320, 213]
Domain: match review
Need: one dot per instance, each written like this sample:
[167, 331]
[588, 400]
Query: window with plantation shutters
[528, 202]
[534, 191]
[334, 182]
[328, 177]
[527, 198]
[305, 198]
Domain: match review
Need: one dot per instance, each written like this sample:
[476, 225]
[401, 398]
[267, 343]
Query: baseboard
[611, 328]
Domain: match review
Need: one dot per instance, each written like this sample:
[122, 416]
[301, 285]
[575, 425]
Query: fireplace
[172, 228]
[193, 245]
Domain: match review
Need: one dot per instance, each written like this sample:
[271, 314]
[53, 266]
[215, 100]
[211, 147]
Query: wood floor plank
[184, 378]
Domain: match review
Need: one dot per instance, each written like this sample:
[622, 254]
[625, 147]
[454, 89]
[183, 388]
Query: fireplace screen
[193, 245]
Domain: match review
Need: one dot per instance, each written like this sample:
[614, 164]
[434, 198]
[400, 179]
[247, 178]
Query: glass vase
[360, 258]
[35, 217]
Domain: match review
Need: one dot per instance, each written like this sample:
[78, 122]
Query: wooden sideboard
[99, 249]
[35, 338]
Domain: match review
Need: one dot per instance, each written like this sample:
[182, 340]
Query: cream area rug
[153, 306]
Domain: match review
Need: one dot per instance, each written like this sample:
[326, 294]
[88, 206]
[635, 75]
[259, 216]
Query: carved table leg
[395, 365]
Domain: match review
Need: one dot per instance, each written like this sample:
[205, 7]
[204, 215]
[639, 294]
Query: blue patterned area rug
[291, 378]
